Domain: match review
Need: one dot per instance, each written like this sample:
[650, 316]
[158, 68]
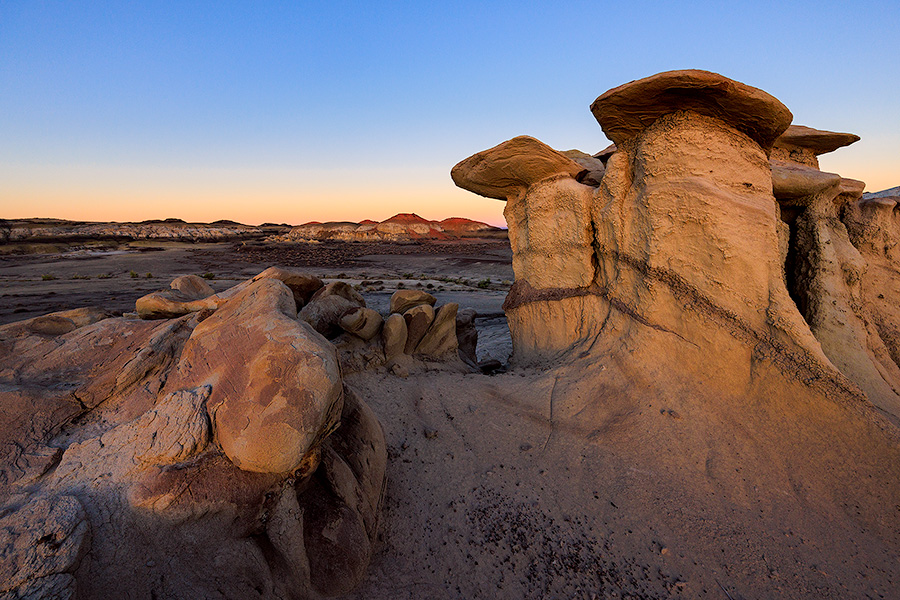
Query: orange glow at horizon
[250, 196]
[259, 195]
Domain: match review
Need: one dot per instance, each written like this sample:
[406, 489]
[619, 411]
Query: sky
[290, 112]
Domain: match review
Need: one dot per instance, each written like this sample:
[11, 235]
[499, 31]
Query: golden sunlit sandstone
[724, 338]
[219, 450]
[403, 300]
[803, 145]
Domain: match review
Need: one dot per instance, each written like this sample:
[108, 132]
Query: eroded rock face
[873, 227]
[689, 232]
[196, 456]
[824, 270]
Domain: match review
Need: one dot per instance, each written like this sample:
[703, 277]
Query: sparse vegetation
[48, 277]
[400, 285]
[104, 276]
[209, 276]
[77, 276]
[133, 274]
[484, 284]
[149, 275]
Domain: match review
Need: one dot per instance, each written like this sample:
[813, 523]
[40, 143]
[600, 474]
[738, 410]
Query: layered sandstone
[711, 212]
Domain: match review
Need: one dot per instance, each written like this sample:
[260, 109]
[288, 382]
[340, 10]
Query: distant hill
[14, 231]
[888, 193]
[403, 227]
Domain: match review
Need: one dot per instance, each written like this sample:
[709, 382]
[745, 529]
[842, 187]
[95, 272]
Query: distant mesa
[402, 227]
[31, 231]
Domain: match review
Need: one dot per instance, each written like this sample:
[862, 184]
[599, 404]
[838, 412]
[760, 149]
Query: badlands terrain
[678, 378]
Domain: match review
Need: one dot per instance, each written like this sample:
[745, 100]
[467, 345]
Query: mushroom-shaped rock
[508, 169]
[418, 319]
[547, 209]
[803, 144]
[362, 322]
[276, 384]
[403, 300]
[629, 109]
[793, 180]
[192, 286]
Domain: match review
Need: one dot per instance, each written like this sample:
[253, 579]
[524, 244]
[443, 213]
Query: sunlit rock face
[217, 454]
[824, 270]
[711, 223]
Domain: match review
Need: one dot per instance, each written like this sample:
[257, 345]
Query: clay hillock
[403, 227]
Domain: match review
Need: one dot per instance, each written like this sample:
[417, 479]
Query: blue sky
[297, 111]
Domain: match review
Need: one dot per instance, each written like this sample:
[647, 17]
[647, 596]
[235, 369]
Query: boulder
[276, 384]
[56, 323]
[403, 300]
[324, 314]
[181, 435]
[393, 336]
[418, 320]
[168, 304]
[625, 111]
[192, 286]
[364, 323]
[440, 338]
[342, 289]
[302, 285]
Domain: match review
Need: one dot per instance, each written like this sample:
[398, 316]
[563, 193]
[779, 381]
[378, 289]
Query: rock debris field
[678, 378]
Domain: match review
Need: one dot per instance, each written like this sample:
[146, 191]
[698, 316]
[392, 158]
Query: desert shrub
[208, 276]
[48, 277]
[400, 285]
[484, 284]
[133, 274]
[149, 275]
[104, 276]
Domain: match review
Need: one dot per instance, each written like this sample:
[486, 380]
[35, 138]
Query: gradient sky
[299, 111]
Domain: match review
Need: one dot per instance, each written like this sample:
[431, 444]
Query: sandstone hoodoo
[717, 271]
